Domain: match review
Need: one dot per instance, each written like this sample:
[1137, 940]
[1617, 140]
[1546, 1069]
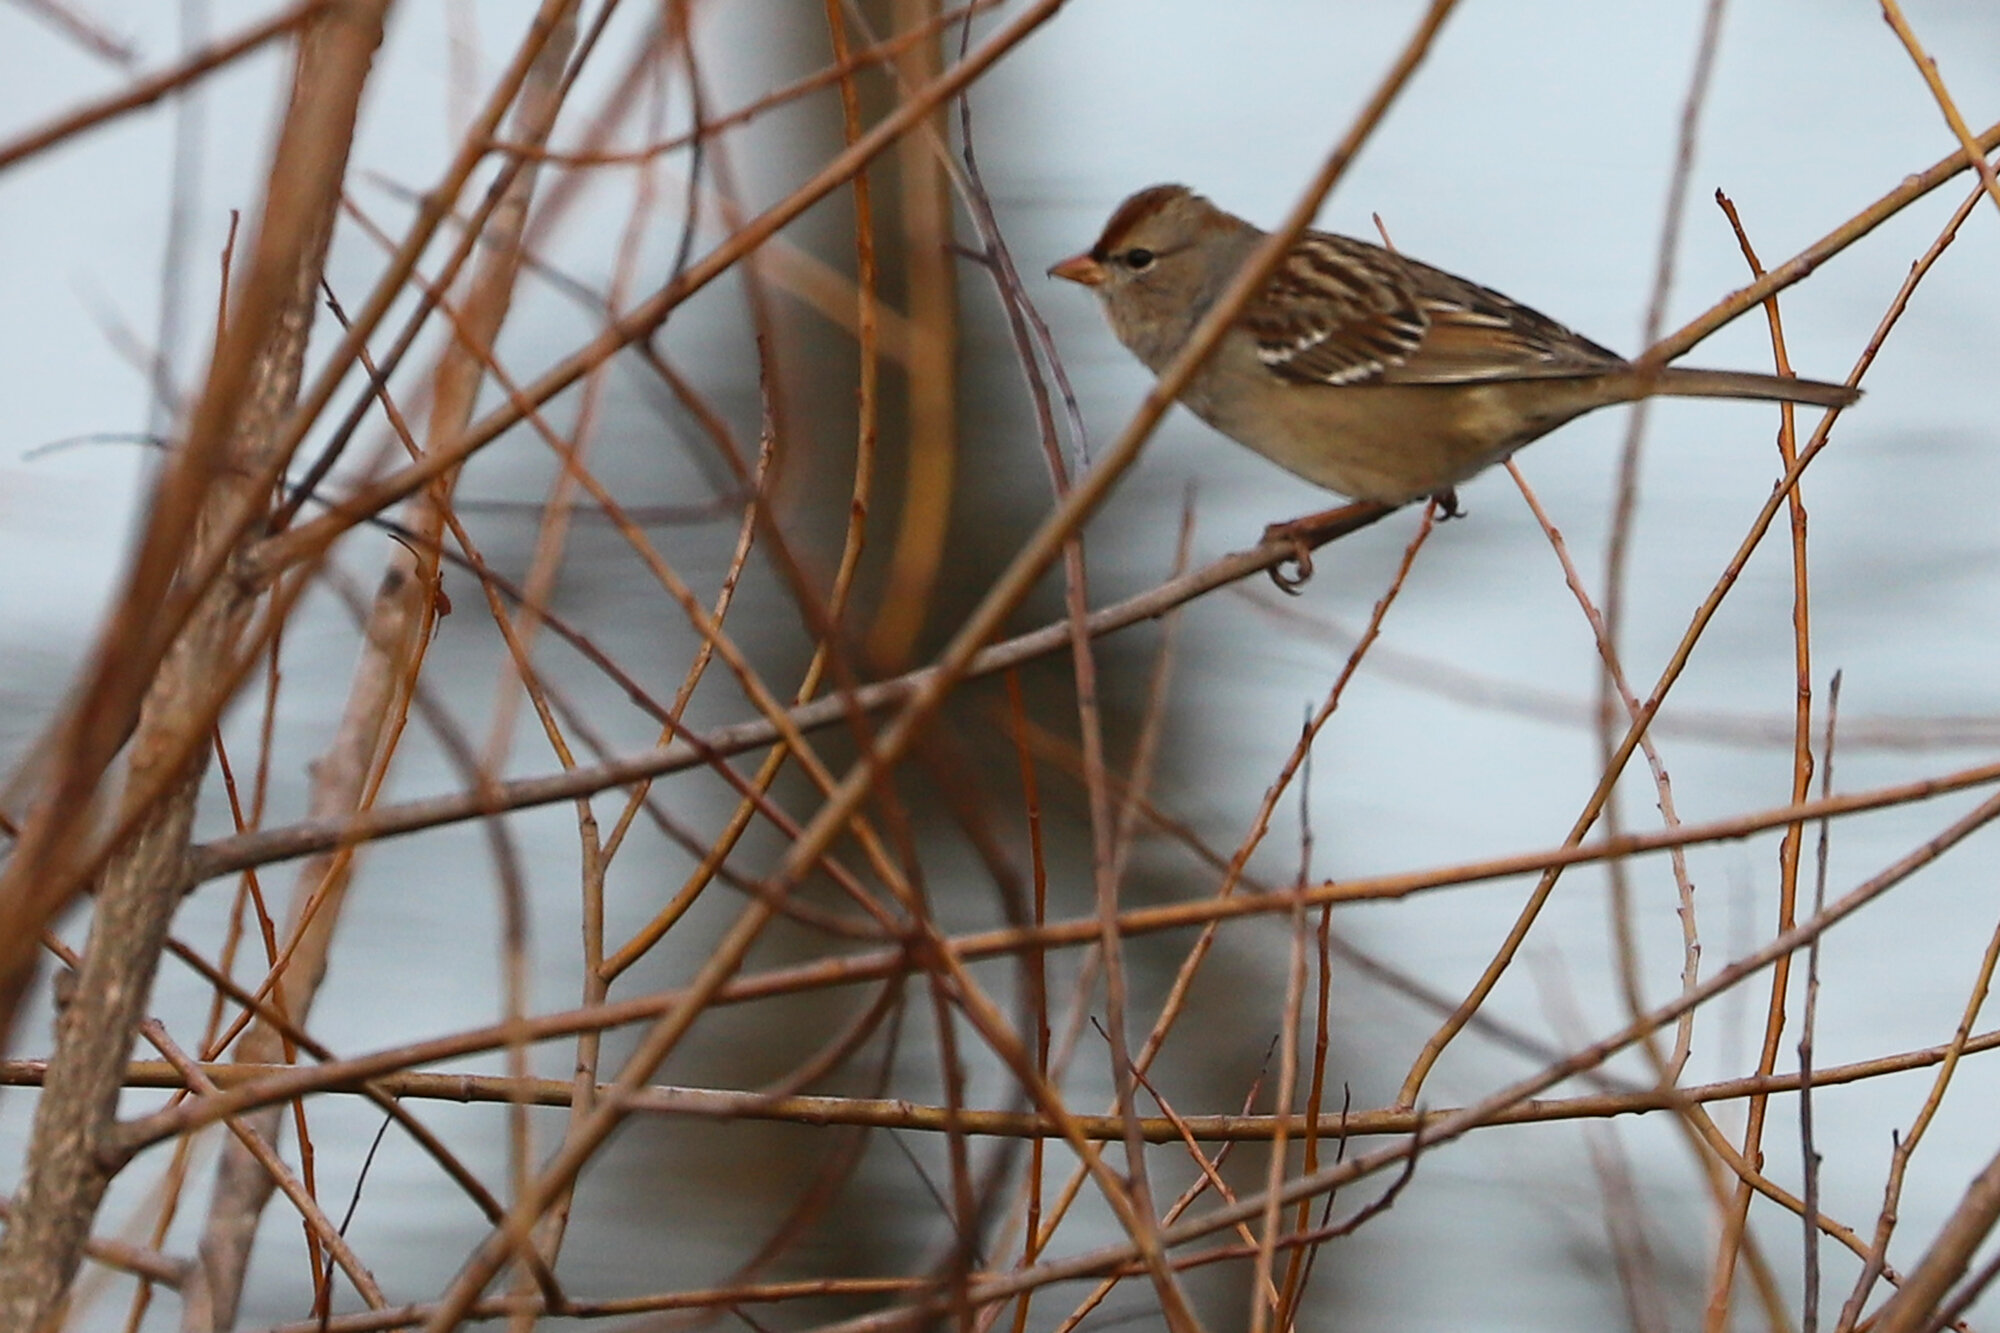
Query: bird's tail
[1681, 382]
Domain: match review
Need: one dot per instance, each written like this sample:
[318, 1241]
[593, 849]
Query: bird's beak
[1081, 269]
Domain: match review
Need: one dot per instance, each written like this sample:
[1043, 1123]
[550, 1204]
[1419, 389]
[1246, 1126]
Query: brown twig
[1809, 1157]
[147, 91]
[1735, 1218]
[401, 1082]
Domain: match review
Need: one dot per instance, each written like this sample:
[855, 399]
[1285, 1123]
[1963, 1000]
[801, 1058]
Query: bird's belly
[1394, 443]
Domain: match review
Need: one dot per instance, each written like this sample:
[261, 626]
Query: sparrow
[1360, 369]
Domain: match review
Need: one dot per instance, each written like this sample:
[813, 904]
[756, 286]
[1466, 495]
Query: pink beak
[1080, 269]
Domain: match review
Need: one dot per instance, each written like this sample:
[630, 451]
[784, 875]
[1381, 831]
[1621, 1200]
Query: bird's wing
[1327, 316]
[1341, 311]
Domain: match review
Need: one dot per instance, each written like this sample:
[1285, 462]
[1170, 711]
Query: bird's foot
[1295, 570]
[1447, 504]
[1302, 536]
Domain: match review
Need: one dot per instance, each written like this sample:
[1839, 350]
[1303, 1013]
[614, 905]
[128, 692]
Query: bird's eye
[1139, 260]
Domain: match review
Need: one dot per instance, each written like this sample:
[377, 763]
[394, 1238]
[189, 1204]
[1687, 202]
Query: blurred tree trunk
[919, 249]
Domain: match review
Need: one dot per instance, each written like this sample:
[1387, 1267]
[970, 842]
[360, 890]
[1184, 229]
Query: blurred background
[1532, 152]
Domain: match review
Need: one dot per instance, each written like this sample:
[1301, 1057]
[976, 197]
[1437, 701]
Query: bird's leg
[1303, 536]
[1296, 570]
[1447, 504]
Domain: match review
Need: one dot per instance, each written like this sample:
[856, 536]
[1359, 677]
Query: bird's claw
[1296, 569]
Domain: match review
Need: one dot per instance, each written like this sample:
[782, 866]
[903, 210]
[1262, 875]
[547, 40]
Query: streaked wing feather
[1341, 311]
[1326, 318]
